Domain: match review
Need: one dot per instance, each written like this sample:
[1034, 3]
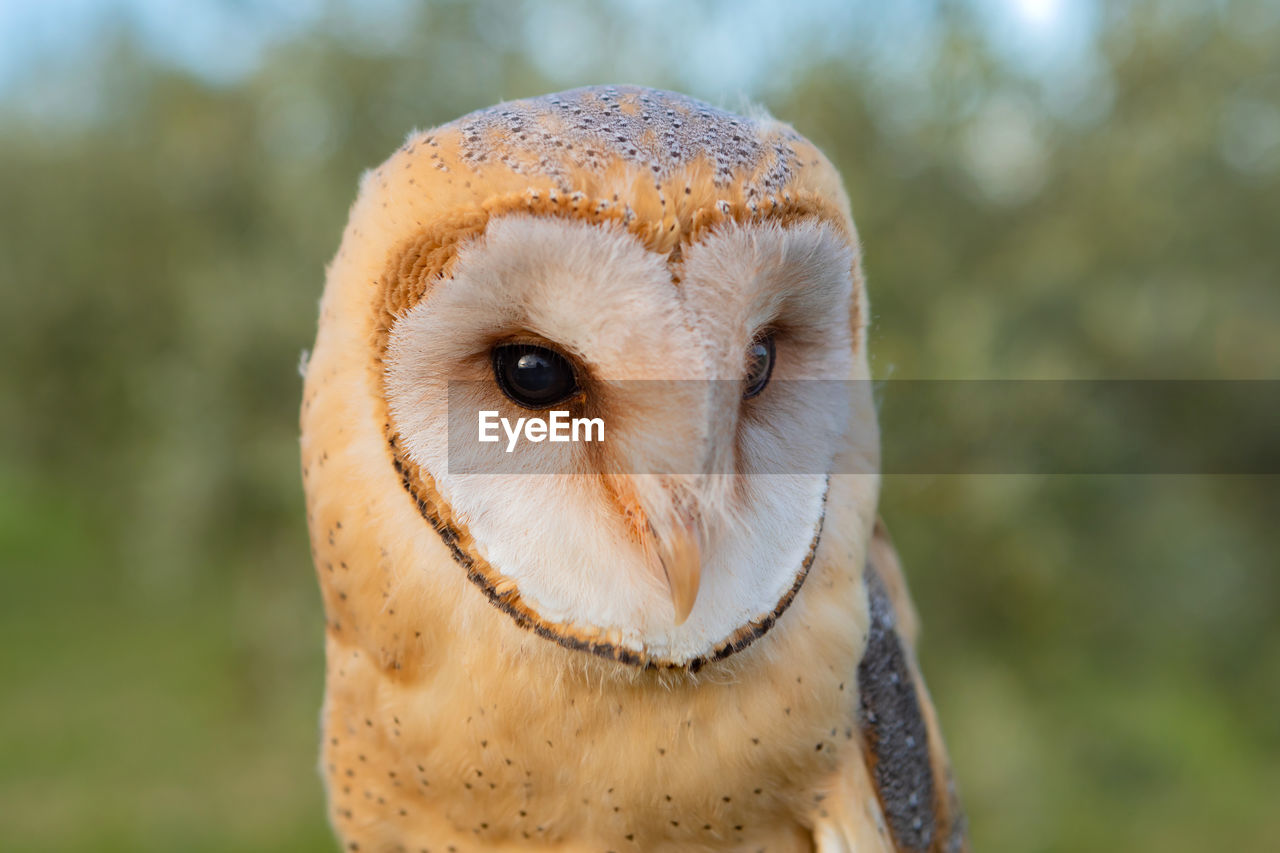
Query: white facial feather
[595, 293]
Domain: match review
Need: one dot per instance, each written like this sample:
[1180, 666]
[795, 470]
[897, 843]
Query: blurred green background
[1045, 189]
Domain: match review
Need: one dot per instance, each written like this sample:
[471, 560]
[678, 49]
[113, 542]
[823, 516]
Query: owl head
[684, 277]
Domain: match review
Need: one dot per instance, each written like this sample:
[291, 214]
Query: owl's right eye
[533, 377]
[760, 358]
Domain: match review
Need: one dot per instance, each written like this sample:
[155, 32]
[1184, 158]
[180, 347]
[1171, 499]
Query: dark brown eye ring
[533, 377]
[760, 358]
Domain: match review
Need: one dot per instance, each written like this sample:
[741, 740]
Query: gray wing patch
[894, 729]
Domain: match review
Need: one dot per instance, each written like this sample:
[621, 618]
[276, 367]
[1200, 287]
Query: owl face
[701, 508]
[707, 313]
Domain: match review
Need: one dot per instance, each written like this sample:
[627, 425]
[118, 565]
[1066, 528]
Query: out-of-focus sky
[713, 47]
[724, 52]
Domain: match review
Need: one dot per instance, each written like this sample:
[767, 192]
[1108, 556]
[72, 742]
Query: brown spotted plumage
[512, 663]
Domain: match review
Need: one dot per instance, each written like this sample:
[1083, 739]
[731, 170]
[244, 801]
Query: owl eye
[760, 357]
[533, 377]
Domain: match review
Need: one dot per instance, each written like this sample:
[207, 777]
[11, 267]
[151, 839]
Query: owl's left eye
[533, 377]
[760, 358]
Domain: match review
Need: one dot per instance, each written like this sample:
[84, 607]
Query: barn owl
[690, 635]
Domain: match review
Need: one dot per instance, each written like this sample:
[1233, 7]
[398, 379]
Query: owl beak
[670, 537]
[681, 557]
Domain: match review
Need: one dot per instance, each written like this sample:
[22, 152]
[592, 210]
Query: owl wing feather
[901, 797]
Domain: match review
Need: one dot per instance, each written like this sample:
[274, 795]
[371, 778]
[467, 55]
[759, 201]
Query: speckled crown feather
[665, 153]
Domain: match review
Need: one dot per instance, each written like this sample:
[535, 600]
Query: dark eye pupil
[532, 376]
[760, 357]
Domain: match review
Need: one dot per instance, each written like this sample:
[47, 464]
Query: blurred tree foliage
[1105, 651]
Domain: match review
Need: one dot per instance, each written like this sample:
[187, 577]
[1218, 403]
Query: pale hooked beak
[669, 536]
[680, 553]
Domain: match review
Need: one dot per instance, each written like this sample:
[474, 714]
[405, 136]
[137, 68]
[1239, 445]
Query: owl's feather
[904, 788]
